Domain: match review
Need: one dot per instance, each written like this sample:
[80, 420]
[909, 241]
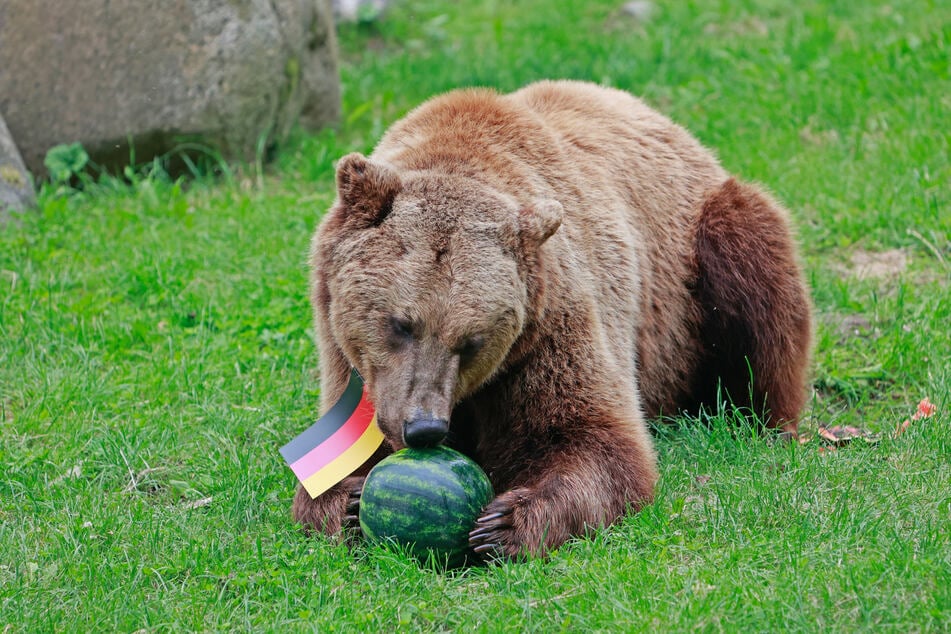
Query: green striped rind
[427, 499]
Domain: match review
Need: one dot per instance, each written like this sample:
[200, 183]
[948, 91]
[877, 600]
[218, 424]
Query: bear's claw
[488, 535]
[495, 535]
[481, 534]
[485, 548]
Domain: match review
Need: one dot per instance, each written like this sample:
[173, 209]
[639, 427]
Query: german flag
[340, 441]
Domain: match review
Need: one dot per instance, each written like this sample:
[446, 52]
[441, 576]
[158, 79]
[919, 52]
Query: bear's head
[425, 280]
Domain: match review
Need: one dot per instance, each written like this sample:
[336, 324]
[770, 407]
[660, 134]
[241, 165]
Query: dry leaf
[842, 434]
[925, 409]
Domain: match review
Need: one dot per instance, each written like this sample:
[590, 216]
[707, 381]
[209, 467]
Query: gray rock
[234, 75]
[16, 186]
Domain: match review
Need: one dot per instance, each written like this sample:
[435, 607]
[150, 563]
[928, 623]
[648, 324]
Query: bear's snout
[424, 430]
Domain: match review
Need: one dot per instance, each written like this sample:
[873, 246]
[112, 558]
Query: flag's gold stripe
[347, 462]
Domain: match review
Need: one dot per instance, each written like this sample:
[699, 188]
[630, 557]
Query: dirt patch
[849, 326]
[747, 26]
[865, 265]
[813, 135]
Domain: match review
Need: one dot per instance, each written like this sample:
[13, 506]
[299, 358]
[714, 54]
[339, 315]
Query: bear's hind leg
[757, 312]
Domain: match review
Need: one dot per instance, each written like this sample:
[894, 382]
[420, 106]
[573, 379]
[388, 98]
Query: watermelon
[426, 499]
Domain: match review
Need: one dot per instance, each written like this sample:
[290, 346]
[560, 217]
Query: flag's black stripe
[327, 424]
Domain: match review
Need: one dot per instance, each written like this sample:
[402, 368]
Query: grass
[156, 350]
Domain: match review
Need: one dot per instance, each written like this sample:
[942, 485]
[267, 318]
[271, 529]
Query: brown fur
[564, 261]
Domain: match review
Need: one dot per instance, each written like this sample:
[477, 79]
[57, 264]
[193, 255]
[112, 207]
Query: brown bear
[527, 278]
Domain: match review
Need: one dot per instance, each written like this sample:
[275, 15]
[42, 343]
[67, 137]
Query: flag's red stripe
[324, 453]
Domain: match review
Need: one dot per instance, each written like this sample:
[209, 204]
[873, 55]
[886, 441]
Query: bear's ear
[366, 189]
[539, 220]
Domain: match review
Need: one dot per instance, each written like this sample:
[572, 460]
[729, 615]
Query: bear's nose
[424, 430]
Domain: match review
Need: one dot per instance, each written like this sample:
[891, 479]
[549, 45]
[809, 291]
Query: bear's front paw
[351, 518]
[500, 530]
[333, 512]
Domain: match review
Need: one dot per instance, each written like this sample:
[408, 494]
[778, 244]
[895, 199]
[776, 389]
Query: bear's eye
[401, 328]
[470, 347]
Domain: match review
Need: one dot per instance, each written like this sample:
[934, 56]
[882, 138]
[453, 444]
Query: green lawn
[156, 350]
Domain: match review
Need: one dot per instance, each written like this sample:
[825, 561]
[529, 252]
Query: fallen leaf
[842, 434]
[925, 409]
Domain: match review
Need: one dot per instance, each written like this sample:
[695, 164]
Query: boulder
[16, 187]
[234, 75]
